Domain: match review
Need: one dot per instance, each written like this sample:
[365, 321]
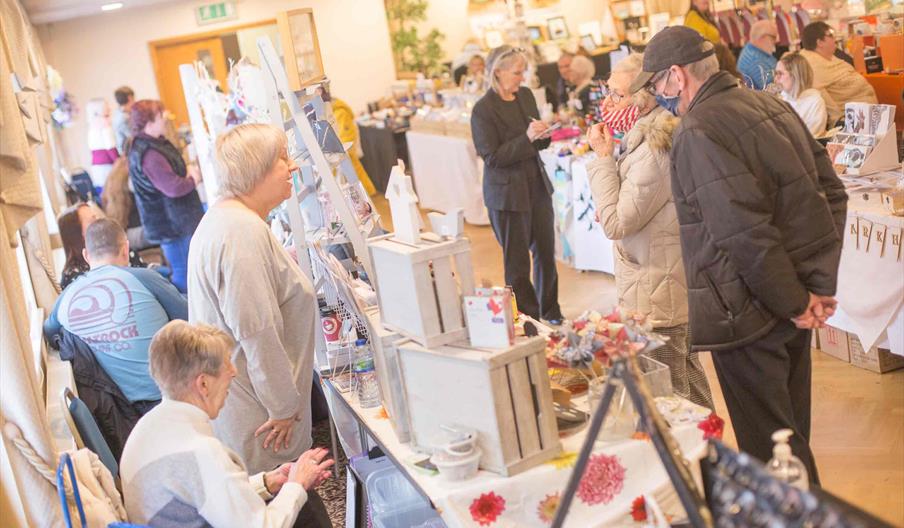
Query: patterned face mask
[622, 120]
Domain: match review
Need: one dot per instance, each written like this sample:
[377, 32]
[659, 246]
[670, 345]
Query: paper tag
[877, 245]
[866, 231]
[853, 230]
[896, 242]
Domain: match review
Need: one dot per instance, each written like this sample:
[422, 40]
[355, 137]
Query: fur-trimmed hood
[655, 129]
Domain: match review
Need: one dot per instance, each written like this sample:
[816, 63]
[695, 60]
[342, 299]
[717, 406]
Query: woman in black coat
[508, 134]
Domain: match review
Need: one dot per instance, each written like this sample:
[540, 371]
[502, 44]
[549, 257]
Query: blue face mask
[669, 103]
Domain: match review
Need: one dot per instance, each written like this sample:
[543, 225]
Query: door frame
[155, 45]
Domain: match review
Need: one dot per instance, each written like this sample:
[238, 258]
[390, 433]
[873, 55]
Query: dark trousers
[313, 514]
[522, 233]
[767, 387]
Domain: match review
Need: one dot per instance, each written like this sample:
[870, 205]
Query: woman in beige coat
[633, 198]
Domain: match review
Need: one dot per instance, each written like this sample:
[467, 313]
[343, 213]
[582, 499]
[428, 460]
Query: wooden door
[168, 57]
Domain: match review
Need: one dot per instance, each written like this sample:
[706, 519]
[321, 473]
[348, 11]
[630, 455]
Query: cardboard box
[877, 359]
[834, 342]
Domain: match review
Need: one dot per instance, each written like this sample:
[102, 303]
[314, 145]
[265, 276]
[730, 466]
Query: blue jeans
[176, 253]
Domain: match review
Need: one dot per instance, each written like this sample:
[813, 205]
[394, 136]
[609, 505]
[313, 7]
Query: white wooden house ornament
[406, 219]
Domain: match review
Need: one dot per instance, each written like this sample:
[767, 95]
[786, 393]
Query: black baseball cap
[674, 45]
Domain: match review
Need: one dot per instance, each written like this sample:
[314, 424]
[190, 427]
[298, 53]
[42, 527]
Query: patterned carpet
[333, 490]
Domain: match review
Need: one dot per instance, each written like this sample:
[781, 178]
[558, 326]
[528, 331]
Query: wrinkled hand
[535, 130]
[600, 140]
[275, 479]
[819, 309]
[311, 470]
[280, 431]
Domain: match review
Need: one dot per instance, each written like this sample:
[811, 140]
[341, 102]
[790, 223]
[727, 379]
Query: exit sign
[212, 13]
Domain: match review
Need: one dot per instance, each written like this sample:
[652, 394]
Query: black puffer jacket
[761, 211]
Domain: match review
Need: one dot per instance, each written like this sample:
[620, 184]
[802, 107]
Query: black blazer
[509, 158]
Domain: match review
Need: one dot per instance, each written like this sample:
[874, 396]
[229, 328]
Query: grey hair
[632, 65]
[180, 352]
[502, 60]
[800, 71]
[583, 68]
[245, 154]
[760, 28]
[705, 68]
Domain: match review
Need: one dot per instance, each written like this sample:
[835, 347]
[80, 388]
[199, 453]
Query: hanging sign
[217, 12]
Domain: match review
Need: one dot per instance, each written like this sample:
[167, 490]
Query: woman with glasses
[794, 76]
[508, 135]
[633, 197]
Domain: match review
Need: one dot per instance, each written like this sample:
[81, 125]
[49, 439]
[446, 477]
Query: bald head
[764, 35]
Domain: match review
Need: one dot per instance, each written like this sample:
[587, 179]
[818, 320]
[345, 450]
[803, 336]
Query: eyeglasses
[651, 86]
[616, 98]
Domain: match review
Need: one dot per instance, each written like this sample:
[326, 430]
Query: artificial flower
[639, 509]
[487, 508]
[602, 481]
[546, 509]
[712, 427]
[565, 460]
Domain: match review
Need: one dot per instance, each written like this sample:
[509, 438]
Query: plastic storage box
[395, 503]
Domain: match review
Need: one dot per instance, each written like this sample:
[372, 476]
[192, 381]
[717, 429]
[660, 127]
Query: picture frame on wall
[493, 38]
[588, 43]
[536, 34]
[557, 27]
[301, 47]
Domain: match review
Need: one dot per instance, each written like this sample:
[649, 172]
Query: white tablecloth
[580, 241]
[870, 282]
[447, 174]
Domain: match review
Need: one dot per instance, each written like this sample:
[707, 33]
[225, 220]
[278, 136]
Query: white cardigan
[811, 108]
[176, 473]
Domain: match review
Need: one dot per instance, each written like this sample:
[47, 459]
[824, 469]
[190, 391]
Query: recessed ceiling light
[111, 7]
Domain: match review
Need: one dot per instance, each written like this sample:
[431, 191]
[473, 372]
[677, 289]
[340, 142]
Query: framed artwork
[301, 48]
[536, 34]
[638, 8]
[558, 29]
[493, 38]
[588, 43]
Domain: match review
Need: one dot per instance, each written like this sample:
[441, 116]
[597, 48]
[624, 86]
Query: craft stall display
[868, 143]
[580, 240]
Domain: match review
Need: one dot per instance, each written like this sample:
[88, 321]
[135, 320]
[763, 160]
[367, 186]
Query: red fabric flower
[712, 427]
[546, 509]
[639, 509]
[602, 481]
[486, 508]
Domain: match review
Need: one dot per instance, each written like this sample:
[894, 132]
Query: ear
[202, 384]
[680, 75]
[85, 254]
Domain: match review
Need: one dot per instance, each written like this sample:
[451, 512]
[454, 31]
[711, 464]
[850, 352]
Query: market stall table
[447, 174]
[871, 276]
[580, 240]
[529, 499]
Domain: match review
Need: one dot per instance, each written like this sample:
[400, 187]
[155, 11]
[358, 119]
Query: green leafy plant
[412, 52]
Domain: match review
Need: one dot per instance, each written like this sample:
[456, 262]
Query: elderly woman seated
[176, 473]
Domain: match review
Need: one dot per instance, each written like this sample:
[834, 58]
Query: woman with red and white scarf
[633, 198]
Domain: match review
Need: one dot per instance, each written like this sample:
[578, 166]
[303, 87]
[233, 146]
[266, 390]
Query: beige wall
[97, 54]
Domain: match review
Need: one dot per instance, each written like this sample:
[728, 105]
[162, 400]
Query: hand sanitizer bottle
[784, 465]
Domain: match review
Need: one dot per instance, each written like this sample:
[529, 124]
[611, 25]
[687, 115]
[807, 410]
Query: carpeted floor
[332, 491]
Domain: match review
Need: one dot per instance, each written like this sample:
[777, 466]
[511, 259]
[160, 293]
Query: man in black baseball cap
[761, 214]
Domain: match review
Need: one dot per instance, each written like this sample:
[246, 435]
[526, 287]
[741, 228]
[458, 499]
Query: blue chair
[86, 432]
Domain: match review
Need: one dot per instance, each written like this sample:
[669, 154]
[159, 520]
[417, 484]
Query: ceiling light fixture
[111, 7]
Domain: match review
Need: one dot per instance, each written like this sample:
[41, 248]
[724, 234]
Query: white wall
[97, 54]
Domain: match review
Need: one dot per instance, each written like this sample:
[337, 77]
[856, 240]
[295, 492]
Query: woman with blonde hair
[633, 199]
[794, 75]
[242, 281]
[508, 135]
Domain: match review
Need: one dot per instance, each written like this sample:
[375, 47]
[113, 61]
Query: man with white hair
[761, 214]
[756, 62]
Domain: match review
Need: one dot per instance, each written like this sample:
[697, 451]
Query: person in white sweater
[794, 75]
[176, 473]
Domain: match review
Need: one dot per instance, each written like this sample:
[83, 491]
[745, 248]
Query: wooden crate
[503, 394]
[876, 359]
[386, 363]
[420, 287]
[834, 342]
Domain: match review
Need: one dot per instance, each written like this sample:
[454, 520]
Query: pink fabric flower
[546, 510]
[602, 480]
[712, 427]
[487, 508]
